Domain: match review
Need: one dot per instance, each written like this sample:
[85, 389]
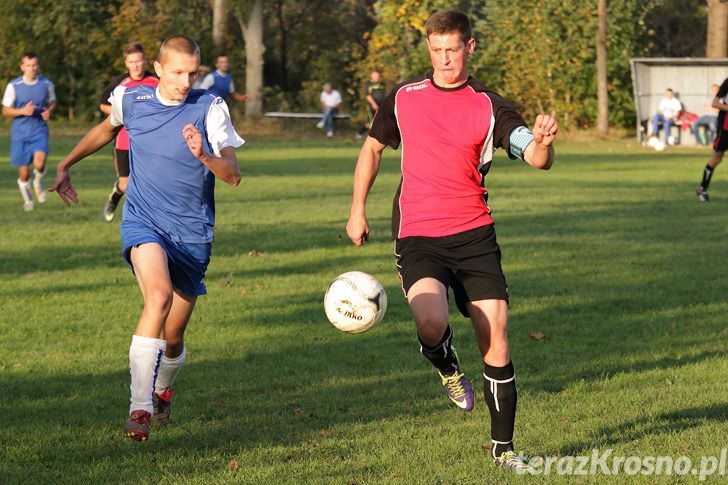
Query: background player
[134, 60]
[180, 140]
[449, 125]
[220, 82]
[374, 94]
[720, 143]
[29, 100]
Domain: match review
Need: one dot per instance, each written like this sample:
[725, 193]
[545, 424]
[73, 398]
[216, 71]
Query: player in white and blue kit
[180, 140]
[29, 100]
[220, 82]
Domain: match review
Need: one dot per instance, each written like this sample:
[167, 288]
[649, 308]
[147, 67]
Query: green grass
[608, 254]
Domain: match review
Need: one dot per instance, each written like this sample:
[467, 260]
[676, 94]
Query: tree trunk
[219, 25]
[717, 42]
[254, 49]
[602, 95]
[284, 45]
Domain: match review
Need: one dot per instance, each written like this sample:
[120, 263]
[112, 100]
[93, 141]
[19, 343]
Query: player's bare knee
[158, 300]
[716, 159]
[430, 328]
[175, 345]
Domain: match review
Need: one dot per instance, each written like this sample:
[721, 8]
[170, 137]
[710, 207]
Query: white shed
[689, 77]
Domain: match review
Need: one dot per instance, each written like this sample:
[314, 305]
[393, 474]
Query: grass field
[609, 255]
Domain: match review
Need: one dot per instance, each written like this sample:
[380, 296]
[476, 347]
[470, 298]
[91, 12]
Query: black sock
[441, 355]
[116, 193]
[499, 385]
[707, 175]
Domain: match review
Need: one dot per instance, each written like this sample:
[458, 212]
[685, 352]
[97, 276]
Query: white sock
[168, 370]
[38, 178]
[25, 191]
[144, 356]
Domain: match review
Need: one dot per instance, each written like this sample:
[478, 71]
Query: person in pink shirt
[448, 126]
[134, 61]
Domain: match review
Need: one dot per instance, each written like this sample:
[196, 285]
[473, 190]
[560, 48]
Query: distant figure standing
[330, 101]
[720, 143]
[709, 119]
[29, 100]
[667, 112]
[220, 82]
[134, 60]
[374, 92]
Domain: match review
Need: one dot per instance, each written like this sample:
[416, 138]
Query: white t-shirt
[332, 99]
[670, 108]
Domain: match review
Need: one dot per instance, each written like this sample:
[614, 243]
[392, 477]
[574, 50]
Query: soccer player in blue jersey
[180, 140]
[29, 100]
[220, 82]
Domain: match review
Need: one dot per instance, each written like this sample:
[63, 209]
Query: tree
[219, 25]
[251, 25]
[602, 94]
[717, 41]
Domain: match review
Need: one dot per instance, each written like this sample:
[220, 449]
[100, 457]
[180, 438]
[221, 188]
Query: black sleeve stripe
[385, 128]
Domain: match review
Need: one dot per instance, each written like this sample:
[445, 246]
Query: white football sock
[38, 177]
[25, 191]
[38, 185]
[168, 370]
[144, 356]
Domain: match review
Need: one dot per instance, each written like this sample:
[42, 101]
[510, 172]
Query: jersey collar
[457, 88]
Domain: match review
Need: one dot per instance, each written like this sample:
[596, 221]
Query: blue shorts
[22, 151]
[187, 261]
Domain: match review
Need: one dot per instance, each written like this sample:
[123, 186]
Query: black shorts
[121, 159]
[468, 262]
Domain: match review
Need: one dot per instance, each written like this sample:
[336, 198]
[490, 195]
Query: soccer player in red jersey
[134, 60]
[448, 126]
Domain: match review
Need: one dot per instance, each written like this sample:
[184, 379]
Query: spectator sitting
[330, 101]
[709, 119]
[667, 113]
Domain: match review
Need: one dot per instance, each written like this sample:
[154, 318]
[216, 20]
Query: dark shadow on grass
[255, 399]
[662, 424]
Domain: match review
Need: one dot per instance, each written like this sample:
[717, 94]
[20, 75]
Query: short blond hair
[179, 43]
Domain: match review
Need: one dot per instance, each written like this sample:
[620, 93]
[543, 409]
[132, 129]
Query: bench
[307, 116]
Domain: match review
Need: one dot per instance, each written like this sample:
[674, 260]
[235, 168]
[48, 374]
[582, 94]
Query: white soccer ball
[355, 302]
[659, 146]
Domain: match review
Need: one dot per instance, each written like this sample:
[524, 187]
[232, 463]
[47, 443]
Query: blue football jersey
[30, 126]
[221, 85]
[169, 189]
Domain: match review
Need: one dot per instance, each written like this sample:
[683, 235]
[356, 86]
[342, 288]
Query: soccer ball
[355, 302]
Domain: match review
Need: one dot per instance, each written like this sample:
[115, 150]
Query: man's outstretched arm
[92, 142]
